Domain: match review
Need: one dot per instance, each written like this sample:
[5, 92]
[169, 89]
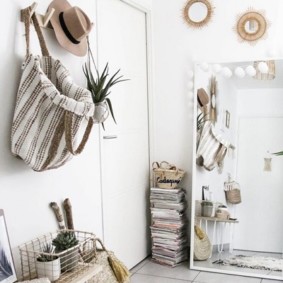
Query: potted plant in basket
[48, 264]
[66, 246]
[99, 86]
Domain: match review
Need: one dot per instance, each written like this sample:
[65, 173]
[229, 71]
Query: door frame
[150, 98]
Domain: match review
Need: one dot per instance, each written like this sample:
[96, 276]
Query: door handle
[110, 137]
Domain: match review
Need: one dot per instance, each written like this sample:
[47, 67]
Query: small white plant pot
[101, 112]
[49, 269]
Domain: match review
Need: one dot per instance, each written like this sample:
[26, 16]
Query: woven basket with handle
[166, 175]
[232, 191]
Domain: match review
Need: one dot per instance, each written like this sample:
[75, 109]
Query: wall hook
[43, 20]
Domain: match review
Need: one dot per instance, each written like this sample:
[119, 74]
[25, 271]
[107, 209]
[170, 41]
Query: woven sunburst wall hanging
[197, 13]
[251, 26]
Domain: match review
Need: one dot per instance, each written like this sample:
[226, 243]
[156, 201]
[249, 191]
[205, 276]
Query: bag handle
[27, 21]
[69, 133]
[65, 125]
[163, 165]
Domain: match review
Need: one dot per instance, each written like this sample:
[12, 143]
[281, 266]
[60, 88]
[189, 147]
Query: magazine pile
[168, 226]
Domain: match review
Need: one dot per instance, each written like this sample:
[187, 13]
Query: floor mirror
[237, 194]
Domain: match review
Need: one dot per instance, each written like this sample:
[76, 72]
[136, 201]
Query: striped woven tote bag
[53, 116]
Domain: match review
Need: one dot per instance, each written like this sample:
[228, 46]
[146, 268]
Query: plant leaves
[110, 108]
[278, 153]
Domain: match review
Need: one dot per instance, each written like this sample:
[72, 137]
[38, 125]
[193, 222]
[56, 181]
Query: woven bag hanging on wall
[51, 112]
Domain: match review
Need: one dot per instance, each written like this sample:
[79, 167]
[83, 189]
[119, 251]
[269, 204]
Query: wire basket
[66, 266]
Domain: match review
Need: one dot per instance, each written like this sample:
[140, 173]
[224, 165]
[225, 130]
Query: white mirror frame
[198, 67]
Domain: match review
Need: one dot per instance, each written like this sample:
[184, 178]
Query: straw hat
[71, 26]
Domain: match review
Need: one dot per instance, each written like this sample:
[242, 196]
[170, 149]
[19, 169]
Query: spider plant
[100, 84]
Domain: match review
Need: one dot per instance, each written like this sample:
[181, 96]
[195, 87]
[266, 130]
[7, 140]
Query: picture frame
[227, 119]
[7, 268]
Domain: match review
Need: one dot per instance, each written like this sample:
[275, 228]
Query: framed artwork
[7, 269]
[227, 120]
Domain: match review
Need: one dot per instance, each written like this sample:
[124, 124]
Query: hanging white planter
[101, 112]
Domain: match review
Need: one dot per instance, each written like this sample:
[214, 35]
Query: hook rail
[43, 20]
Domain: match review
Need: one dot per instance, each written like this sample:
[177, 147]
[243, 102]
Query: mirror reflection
[251, 26]
[237, 180]
[197, 12]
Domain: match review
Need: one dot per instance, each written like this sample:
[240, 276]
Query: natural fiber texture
[51, 112]
[254, 262]
[119, 269]
[233, 196]
[202, 247]
[232, 192]
[106, 275]
[113, 270]
[199, 232]
[167, 176]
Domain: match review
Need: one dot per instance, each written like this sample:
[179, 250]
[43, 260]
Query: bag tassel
[120, 271]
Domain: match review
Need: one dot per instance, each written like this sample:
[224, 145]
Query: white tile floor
[150, 272]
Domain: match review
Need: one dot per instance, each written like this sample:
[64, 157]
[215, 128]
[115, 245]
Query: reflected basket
[67, 266]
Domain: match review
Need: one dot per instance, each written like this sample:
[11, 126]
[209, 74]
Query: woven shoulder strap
[69, 135]
[27, 21]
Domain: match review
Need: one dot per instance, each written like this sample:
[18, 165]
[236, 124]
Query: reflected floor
[225, 254]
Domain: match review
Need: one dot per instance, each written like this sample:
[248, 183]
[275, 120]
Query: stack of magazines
[168, 226]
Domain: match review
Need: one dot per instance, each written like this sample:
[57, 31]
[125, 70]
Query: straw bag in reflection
[202, 245]
[232, 192]
[166, 175]
[51, 112]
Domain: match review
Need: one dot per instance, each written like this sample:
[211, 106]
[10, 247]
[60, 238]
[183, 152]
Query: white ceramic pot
[101, 112]
[49, 269]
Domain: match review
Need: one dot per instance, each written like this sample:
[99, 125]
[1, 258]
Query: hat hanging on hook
[71, 26]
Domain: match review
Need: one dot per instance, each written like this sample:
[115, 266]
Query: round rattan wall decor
[197, 13]
[252, 26]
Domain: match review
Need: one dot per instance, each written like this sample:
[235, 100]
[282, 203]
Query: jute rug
[254, 262]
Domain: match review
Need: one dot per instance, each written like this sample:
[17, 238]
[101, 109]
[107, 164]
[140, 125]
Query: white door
[125, 147]
[260, 224]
